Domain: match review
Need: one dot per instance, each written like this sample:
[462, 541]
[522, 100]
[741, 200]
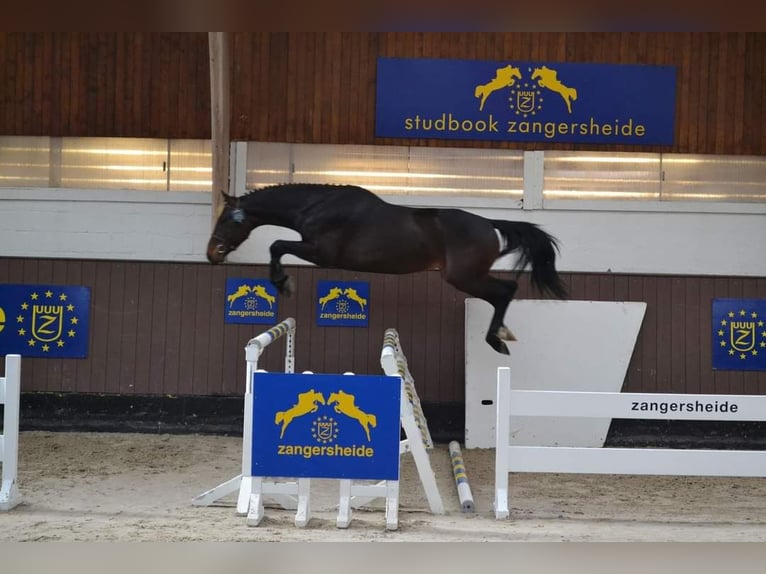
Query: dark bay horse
[348, 227]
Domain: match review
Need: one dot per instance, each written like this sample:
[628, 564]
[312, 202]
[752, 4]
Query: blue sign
[343, 303]
[739, 334]
[44, 321]
[326, 426]
[525, 101]
[252, 301]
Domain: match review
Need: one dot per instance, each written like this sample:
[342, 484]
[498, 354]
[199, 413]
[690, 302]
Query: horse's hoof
[505, 334]
[285, 285]
[498, 345]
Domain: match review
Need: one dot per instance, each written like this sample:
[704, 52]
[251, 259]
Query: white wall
[175, 226]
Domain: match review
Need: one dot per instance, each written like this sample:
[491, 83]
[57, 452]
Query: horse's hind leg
[498, 293]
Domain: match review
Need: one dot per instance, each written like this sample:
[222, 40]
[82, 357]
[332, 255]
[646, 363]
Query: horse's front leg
[280, 247]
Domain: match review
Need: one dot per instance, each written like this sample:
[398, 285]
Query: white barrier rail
[679, 462]
[10, 398]
[243, 482]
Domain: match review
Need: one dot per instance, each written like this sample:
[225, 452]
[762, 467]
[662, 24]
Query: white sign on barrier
[10, 391]
[652, 461]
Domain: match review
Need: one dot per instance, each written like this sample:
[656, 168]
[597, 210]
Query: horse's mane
[294, 187]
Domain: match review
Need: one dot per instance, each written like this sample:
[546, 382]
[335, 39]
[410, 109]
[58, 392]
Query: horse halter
[239, 217]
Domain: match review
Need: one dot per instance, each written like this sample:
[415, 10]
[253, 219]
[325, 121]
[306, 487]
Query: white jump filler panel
[562, 345]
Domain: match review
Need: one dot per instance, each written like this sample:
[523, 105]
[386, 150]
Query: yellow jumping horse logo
[334, 293]
[307, 403]
[352, 294]
[260, 291]
[242, 290]
[345, 404]
[547, 78]
[504, 78]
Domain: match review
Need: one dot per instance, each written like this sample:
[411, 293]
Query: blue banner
[252, 301]
[739, 334]
[343, 303]
[326, 426]
[44, 321]
[525, 101]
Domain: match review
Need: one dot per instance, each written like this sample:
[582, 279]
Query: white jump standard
[10, 397]
[653, 461]
[288, 495]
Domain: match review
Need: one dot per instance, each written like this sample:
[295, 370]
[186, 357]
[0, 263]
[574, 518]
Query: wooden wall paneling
[634, 375]
[752, 86]
[737, 73]
[128, 337]
[187, 293]
[650, 331]
[64, 377]
[100, 327]
[215, 332]
[721, 379]
[278, 86]
[444, 335]
[173, 330]
[198, 337]
[259, 78]
[84, 367]
[159, 328]
[232, 352]
[115, 302]
[292, 47]
[6, 80]
[433, 370]
[679, 345]
[183, 107]
[722, 123]
[664, 333]
[144, 311]
[695, 323]
[17, 76]
[761, 54]
[706, 377]
[123, 95]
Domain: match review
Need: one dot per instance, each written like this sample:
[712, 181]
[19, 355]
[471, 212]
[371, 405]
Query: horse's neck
[282, 206]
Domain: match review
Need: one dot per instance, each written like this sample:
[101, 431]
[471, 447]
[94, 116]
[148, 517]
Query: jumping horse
[348, 227]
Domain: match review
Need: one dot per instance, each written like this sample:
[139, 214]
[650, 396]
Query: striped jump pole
[461, 479]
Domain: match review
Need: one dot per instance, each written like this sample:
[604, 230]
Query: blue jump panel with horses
[326, 426]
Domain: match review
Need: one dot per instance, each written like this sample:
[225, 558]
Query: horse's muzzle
[216, 252]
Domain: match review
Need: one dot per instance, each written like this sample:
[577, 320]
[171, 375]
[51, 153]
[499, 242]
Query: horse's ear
[229, 200]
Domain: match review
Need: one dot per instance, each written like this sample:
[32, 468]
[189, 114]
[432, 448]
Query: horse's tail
[537, 249]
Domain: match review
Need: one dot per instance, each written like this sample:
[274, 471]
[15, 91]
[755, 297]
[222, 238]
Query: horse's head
[231, 229]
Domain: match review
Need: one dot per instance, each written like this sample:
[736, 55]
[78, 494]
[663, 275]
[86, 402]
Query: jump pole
[243, 482]
[10, 389]
[461, 478]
